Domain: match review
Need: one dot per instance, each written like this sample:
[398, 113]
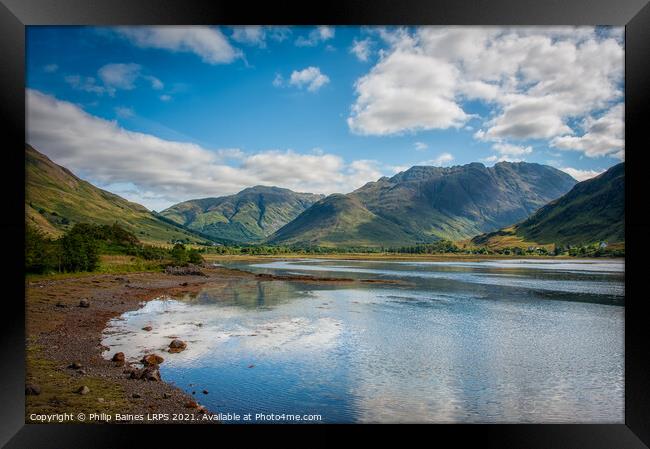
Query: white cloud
[249, 35]
[278, 81]
[110, 155]
[581, 175]
[421, 146]
[120, 76]
[165, 97]
[113, 76]
[316, 36]
[440, 161]
[603, 136]
[506, 149]
[88, 84]
[50, 68]
[361, 49]
[406, 91]
[124, 112]
[206, 42]
[536, 81]
[311, 77]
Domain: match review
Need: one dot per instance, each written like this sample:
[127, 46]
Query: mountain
[339, 220]
[246, 217]
[593, 211]
[424, 204]
[56, 199]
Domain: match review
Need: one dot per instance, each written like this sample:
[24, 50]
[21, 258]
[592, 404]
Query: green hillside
[56, 199]
[425, 204]
[340, 220]
[246, 217]
[593, 211]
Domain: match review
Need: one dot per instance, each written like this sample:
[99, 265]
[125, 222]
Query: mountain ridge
[429, 203]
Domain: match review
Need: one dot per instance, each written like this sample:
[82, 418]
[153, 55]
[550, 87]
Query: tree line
[80, 247]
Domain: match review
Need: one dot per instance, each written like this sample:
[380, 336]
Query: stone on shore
[84, 303]
[118, 357]
[147, 328]
[83, 390]
[32, 389]
[152, 360]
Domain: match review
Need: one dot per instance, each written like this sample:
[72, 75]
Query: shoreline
[60, 333]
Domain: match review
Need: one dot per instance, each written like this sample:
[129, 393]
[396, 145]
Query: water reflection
[433, 350]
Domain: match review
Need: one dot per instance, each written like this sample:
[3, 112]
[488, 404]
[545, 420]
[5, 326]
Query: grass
[58, 390]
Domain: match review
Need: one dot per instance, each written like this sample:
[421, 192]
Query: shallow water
[493, 341]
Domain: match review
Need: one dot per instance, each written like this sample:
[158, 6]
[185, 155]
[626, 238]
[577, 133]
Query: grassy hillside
[340, 220]
[425, 204]
[56, 199]
[592, 211]
[246, 217]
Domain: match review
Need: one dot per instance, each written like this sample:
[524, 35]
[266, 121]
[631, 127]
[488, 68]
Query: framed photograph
[366, 213]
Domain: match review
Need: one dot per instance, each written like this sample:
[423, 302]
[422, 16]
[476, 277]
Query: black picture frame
[633, 14]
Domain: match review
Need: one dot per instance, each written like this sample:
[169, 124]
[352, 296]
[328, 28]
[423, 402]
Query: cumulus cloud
[256, 35]
[536, 80]
[50, 68]
[581, 175]
[421, 146]
[311, 78]
[206, 42]
[603, 136]
[110, 155]
[406, 91]
[165, 97]
[442, 160]
[124, 112]
[120, 76]
[316, 36]
[507, 149]
[361, 49]
[88, 84]
[249, 35]
[113, 77]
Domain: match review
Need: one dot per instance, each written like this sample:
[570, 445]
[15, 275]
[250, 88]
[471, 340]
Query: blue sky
[165, 114]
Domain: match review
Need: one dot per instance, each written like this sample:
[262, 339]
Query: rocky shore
[68, 369]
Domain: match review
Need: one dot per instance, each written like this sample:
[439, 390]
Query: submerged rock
[177, 346]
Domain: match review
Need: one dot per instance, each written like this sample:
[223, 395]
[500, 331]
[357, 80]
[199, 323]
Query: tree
[179, 255]
[79, 250]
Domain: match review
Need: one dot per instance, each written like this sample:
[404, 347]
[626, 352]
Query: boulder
[60, 304]
[136, 395]
[83, 390]
[32, 389]
[205, 391]
[151, 373]
[134, 373]
[166, 395]
[118, 357]
[152, 360]
[75, 365]
[84, 303]
[177, 346]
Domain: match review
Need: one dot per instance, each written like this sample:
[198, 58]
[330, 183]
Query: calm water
[492, 341]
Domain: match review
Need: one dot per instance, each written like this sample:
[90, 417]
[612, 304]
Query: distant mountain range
[56, 199]
[424, 204]
[594, 210]
[249, 216]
